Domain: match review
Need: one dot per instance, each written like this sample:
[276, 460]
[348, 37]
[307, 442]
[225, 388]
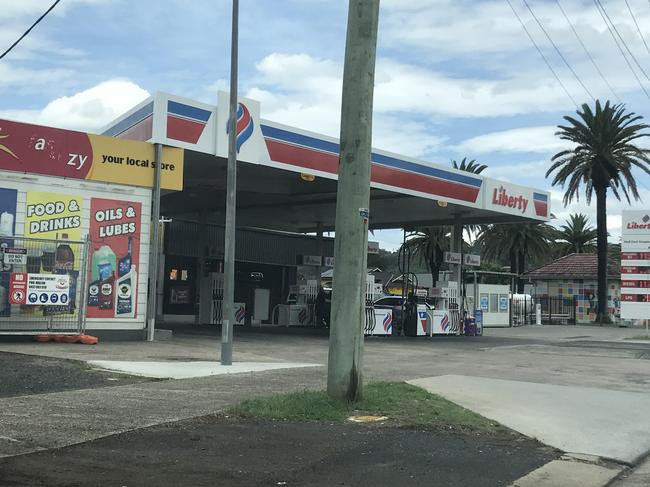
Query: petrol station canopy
[286, 177]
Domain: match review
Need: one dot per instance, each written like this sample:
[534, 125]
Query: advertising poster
[114, 258]
[7, 229]
[53, 216]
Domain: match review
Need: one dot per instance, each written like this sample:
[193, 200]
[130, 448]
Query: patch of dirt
[233, 452]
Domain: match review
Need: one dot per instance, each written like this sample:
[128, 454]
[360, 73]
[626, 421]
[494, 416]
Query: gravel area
[22, 375]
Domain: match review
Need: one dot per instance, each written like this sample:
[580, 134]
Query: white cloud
[304, 91]
[492, 41]
[19, 78]
[86, 110]
[519, 171]
[410, 88]
[396, 134]
[527, 139]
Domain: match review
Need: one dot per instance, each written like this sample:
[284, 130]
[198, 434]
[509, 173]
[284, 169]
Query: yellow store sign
[132, 162]
[53, 216]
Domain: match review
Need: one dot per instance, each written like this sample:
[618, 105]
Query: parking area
[609, 357]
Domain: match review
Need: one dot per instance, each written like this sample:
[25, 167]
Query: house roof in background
[574, 266]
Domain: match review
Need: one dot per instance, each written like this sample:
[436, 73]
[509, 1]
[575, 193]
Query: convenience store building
[286, 189]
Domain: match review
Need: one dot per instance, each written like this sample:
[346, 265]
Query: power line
[584, 47]
[598, 7]
[623, 40]
[557, 49]
[638, 29]
[30, 29]
[541, 54]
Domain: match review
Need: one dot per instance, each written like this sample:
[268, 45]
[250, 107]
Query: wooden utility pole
[344, 378]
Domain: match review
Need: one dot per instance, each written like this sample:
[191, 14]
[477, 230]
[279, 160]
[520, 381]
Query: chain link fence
[43, 286]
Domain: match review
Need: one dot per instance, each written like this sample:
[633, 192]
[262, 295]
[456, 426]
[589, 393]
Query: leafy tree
[429, 245]
[385, 260]
[469, 166]
[602, 157]
[576, 236]
[516, 244]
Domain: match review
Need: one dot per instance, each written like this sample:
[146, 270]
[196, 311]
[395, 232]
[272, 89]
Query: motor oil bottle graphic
[100, 290]
[60, 260]
[126, 285]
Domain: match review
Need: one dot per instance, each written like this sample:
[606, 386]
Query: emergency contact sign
[39, 289]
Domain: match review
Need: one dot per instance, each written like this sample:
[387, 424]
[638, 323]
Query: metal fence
[43, 286]
[522, 310]
[558, 310]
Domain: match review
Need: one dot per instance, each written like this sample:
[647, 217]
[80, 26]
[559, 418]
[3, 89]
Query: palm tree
[429, 244]
[475, 168]
[516, 244]
[469, 166]
[576, 236]
[602, 158]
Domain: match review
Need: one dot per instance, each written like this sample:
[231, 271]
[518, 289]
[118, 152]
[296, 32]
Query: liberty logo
[245, 126]
[444, 323]
[6, 149]
[388, 322]
[240, 314]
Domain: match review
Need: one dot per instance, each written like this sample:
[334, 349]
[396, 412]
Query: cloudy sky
[455, 78]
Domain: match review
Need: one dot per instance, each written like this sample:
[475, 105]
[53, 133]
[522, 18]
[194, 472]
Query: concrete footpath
[39, 422]
[638, 477]
[610, 424]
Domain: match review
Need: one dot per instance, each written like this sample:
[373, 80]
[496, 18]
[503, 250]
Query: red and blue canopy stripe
[137, 126]
[313, 153]
[541, 204]
[185, 122]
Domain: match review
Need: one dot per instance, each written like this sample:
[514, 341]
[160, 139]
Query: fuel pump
[409, 314]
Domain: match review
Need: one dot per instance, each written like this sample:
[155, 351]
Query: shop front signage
[516, 200]
[501, 197]
[472, 260]
[36, 149]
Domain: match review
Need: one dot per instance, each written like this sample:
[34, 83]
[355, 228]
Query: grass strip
[404, 404]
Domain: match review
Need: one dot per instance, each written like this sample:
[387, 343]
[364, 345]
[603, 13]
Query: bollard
[538, 314]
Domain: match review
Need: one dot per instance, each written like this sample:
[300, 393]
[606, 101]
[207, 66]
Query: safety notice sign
[14, 256]
[39, 289]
